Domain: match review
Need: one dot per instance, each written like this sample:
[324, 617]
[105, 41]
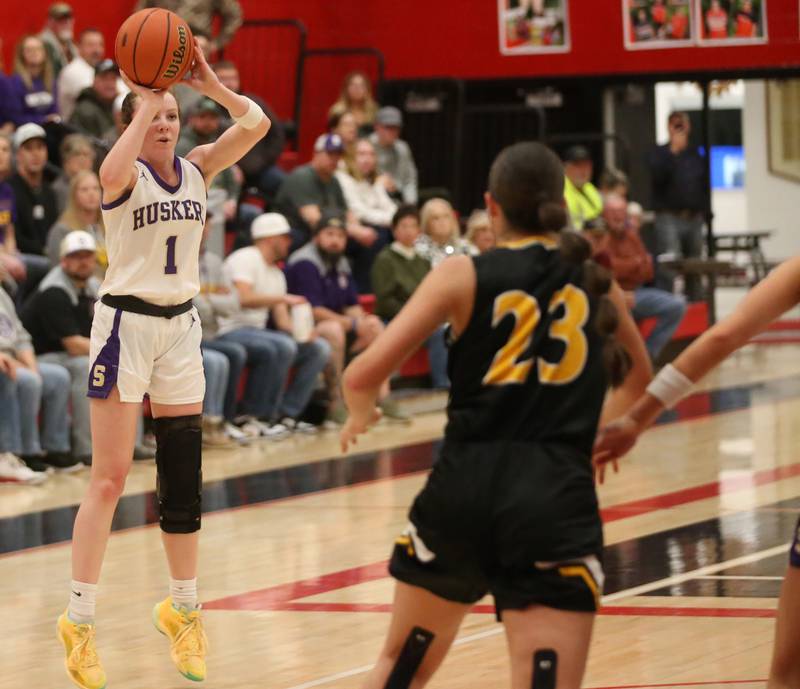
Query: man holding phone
[678, 172]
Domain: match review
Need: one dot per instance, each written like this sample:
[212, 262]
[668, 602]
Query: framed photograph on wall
[653, 24]
[783, 128]
[533, 26]
[732, 22]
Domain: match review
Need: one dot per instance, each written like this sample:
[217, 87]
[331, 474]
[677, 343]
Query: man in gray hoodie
[26, 389]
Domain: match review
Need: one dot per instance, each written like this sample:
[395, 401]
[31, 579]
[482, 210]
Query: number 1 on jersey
[171, 268]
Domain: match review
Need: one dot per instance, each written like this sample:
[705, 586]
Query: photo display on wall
[533, 26]
[729, 22]
[652, 24]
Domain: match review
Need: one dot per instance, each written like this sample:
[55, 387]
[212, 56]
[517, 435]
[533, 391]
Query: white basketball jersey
[153, 235]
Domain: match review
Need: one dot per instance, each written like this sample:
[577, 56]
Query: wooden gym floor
[296, 537]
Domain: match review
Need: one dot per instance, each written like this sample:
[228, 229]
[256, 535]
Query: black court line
[51, 526]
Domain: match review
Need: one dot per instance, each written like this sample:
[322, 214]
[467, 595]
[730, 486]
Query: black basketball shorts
[518, 520]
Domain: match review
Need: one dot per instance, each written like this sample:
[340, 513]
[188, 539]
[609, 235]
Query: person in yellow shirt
[584, 203]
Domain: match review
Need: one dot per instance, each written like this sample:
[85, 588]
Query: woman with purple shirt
[31, 90]
[10, 262]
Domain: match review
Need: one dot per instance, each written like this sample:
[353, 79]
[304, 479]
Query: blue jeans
[437, 357]
[666, 308]
[237, 358]
[78, 367]
[22, 400]
[216, 370]
[270, 355]
[682, 237]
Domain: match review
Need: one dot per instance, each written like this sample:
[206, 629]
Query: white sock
[81, 602]
[183, 592]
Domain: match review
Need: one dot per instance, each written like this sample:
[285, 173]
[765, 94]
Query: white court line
[627, 593]
[736, 577]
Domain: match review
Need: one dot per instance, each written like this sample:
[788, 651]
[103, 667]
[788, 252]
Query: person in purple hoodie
[31, 89]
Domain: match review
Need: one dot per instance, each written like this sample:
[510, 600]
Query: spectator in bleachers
[395, 161]
[344, 124]
[365, 196]
[441, 236]
[311, 189]
[35, 202]
[632, 267]
[480, 234]
[369, 202]
[93, 110]
[77, 153]
[79, 73]
[10, 260]
[584, 202]
[222, 361]
[57, 36]
[32, 393]
[356, 97]
[82, 213]
[204, 127]
[613, 181]
[262, 290]
[320, 272]
[200, 16]
[260, 163]
[113, 133]
[31, 90]
[679, 199]
[58, 317]
[397, 272]
[6, 123]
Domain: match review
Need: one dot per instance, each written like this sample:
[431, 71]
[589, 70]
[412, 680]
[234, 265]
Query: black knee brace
[180, 478]
[410, 659]
[545, 664]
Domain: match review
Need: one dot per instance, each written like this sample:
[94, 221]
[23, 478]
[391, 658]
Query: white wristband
[252, 118]
[670, 386]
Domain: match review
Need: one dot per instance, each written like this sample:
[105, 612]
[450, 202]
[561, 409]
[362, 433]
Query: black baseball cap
[577, 154]
[104, 66]
[332, 218]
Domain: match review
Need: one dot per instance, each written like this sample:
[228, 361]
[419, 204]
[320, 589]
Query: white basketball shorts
[146, 354]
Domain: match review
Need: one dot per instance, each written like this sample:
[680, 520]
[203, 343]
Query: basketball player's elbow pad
[179, 474]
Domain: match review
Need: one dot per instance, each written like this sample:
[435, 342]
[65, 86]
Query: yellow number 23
[508, 367]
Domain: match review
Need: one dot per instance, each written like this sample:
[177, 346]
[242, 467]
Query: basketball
[154, 47]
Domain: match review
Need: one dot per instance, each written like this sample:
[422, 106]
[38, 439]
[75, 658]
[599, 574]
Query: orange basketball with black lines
[154, 48]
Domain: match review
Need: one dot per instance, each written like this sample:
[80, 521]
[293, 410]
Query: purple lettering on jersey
[198, 210]
[152, 213]
[103, 372]
[176, 213]
[187, 210]
[165, 214]
[138, 219]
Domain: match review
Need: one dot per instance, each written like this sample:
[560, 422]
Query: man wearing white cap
[263, 295]
[35, 200]
[59, 318]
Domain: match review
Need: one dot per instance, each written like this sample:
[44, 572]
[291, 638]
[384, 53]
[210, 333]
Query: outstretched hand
[613, 441]
[357, 425]
[201, 77]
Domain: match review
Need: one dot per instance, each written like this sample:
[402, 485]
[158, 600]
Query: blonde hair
[71, 215]
[48, 74]
[429, 209]
[75, 144]
[477, 222]
[344, 103]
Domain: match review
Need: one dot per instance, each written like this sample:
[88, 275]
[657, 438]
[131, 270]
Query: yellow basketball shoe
[83, 665]
[185, 630]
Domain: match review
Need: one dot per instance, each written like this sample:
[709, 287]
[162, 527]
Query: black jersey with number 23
[528, 367]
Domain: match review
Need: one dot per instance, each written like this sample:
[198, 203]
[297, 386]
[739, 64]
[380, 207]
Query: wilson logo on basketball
[178, 55]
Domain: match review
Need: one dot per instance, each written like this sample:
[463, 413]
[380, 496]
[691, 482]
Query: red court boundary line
[684, 684]
[282, 594]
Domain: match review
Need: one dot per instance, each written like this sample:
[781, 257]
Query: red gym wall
[458, 38]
